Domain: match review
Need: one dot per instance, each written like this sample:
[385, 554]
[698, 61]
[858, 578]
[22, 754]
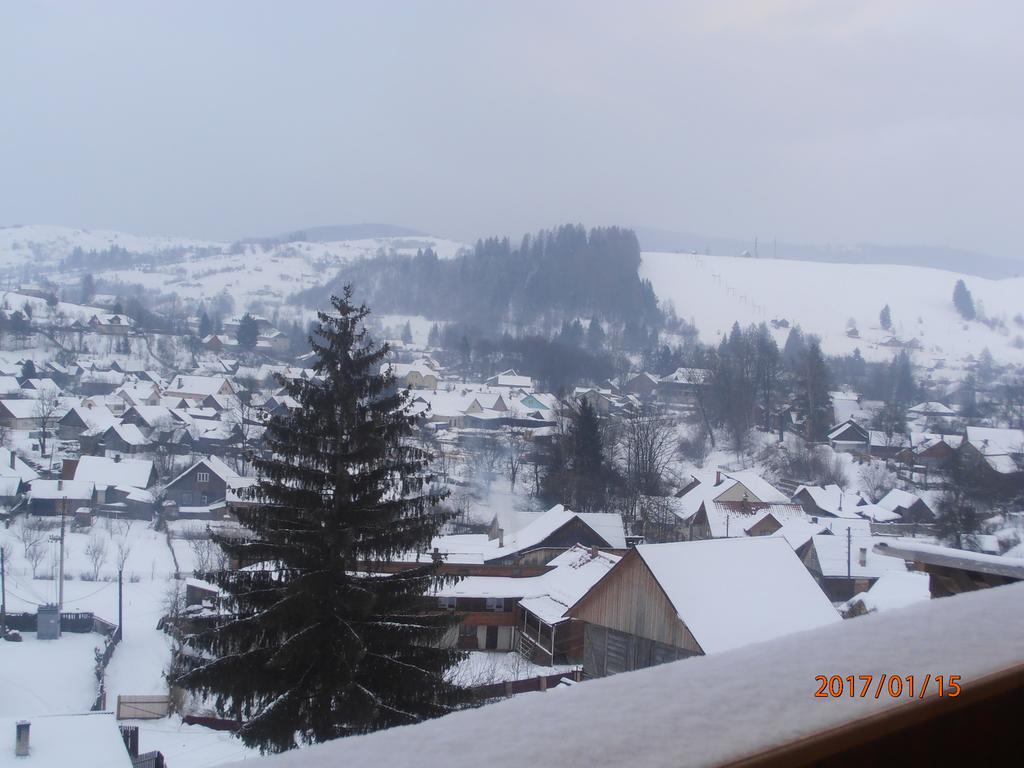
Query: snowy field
[716, 291]
[56, 676]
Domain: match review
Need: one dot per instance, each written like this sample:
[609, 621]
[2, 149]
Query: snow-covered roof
[94, 416]
[798, 532]
[217, 467]
[757, 485]
[103, 471]
[733, 592]
[20, 469]
[834, 556]
[196, 385]
[897, 497]
[86, 740]
[59, 489]
[130, 434]
[607, 526]
[893, 589]
[21, 408]
[644, 719]
[832, 499]
[932, 408]
[991, 441]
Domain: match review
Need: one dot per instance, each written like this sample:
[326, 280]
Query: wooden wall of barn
[630, 600]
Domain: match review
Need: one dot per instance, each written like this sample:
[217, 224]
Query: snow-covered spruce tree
[310, 646]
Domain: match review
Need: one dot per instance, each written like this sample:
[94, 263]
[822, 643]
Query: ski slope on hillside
[716, 291]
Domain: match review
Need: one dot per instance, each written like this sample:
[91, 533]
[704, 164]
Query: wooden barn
[663, 602]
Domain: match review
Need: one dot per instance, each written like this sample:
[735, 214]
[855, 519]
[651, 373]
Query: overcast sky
[809, 121]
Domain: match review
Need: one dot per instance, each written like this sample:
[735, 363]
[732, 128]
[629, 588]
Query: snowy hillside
[715, 291]
[200, 269]
[42, 243]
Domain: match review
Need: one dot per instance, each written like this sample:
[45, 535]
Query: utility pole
[60, 575]
[849, 552]
[3, 594]
[120, 604]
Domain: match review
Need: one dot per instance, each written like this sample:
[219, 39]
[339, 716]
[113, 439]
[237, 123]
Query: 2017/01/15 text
[893, 686]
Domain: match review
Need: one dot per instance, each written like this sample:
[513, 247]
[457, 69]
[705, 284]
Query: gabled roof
[136, 473]
[898, 498]
[832, 500]
[757, 485]
[733, 592]
[21, 470]
[991, 441]
[58, 489]
[607, 526]
[217, 467]
[832, 554]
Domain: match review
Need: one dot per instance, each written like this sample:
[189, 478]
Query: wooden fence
[143, 707]
[513, 687]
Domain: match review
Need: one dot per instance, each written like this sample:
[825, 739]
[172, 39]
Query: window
[495, 604]
[467, 630]
[202, 477]
[186, 497]
[862, 557]
[204, 499]
[448, 603]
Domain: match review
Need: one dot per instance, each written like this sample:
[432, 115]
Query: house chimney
[718, 477]
[21, 738]
[593, 552]
[12, 459]
[501, 537]
[60, 485]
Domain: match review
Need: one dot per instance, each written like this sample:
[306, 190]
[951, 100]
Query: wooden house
[555, 531]
[47, 497]
[845, 566]
[849, 437]
[663, 602]
[205, 482]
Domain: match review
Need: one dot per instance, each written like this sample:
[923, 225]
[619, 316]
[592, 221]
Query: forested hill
[556, 274]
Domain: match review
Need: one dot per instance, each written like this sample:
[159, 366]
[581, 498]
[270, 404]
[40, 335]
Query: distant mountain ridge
[936, 257]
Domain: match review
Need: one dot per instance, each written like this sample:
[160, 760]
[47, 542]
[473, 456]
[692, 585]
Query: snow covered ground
[56, 676]
[483, 667]
[709, 710]
[716, 291]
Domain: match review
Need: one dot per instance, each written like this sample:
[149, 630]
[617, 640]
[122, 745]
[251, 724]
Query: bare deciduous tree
[45, 412]
[515, 446]
[34, 553]
[96, 551]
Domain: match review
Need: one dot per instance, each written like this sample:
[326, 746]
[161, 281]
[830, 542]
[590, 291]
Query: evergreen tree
[28, 370]
[813, 393]
[434, 337]
[205, 325]
[595, 335]
[904, 388]
[407, 333]
[885, 317]
[309, 646]
[586, 459]
[248, 332]
[88, 287]
[963, 301]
